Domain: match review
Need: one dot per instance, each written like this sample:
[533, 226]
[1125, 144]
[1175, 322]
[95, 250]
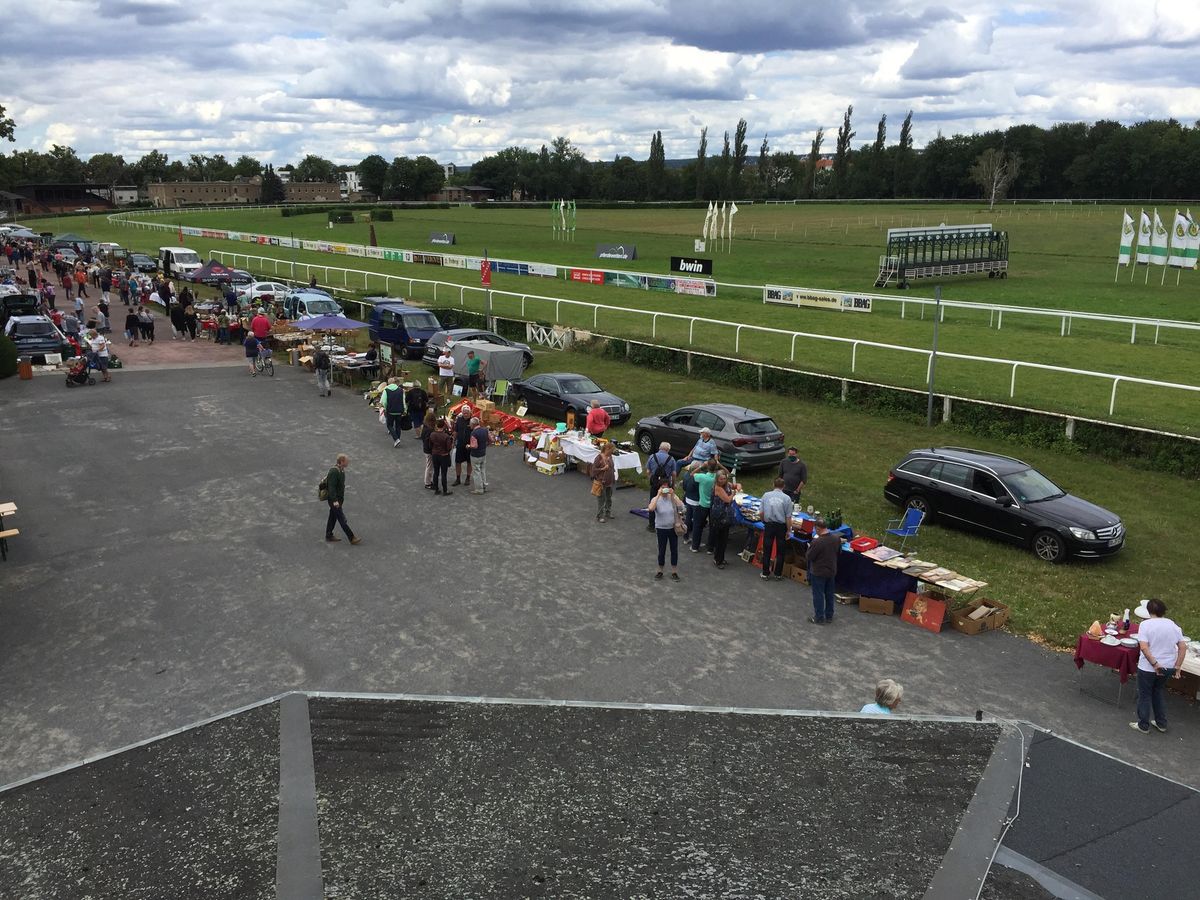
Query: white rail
[737, 327]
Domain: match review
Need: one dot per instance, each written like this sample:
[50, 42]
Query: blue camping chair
[906, 527]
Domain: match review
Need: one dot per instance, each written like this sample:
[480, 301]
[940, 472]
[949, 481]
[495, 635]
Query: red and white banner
[587, 276]
[485, 272]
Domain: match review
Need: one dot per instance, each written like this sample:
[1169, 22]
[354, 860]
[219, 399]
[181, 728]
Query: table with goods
[1114, 646]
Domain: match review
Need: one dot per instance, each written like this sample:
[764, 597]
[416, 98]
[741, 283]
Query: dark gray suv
[1003, 498]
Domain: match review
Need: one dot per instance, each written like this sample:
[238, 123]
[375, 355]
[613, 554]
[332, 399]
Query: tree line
[1156, 159]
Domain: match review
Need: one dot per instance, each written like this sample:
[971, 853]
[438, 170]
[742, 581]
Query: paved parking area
[171, 566]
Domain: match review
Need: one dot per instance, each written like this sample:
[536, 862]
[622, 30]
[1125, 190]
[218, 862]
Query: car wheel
[645, 442]
[1049, 547]
[921, 502]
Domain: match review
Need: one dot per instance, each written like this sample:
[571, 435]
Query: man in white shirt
[445, 364]
[1162, 649]
[98, 344]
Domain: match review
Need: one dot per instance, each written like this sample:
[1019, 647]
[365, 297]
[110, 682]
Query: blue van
[408, 328]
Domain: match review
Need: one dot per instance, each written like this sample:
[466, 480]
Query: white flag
[1193, 245]
[732, 213]
[707, 222]
[721, 226]
[562, 213]
[1143, 244]
[1179, 242]
[1158, 244]
[1126, 251]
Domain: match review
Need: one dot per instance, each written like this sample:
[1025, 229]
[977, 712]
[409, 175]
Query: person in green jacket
[336, 484]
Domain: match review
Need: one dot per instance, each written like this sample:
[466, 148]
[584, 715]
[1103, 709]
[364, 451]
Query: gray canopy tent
[503, 363]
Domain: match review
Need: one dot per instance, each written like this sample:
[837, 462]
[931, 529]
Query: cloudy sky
[458, 79]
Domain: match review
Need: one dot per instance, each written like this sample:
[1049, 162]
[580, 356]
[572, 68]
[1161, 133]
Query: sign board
[817, 299]
[616, 251]
[691, 265]
[587, 276]
[429, 259]
[544, 270]
[699, 245]
[441, 237]
[696, 287]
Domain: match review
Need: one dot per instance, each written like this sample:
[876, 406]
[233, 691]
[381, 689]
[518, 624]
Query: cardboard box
[968, 620]
[799, 574]
[490, 417]
[846, 599]
[877, 606]
[551, 468]
[484, 405]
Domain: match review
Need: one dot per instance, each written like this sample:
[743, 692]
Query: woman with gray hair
[887, 697]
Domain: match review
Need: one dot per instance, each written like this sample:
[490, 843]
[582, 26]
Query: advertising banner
[690, 265]
[543, 270]
[441, 237]
[233, 236]
[209, 233]
[656, 283]
[696, 287]
[356, 250]
[309, 245]
[623, 279]
[472, 262]
[407, 255]
[616, 251]
[504, 267]
[816, 299]
[374, 252]
[428, 259]
[393, 255]
[587, 276]
[261, 239]
[454, 262]
[192, 232]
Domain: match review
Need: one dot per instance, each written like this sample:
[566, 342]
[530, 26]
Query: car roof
[454, 331]
[997, 462]
[24, 320]
[564, 375]
[731, 410]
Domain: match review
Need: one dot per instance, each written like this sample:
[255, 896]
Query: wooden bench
[4, 536]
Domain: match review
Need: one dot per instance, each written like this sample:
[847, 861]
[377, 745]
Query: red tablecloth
[1123, 659]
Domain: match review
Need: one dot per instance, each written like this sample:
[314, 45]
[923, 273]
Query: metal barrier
[491, 295]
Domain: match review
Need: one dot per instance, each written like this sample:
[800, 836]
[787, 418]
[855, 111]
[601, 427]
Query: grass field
[1062, 258]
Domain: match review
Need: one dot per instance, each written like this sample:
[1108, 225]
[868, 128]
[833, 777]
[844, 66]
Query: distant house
[57, 198]
[470, 193]
[123, 194]
[311, 192]
[206, 193]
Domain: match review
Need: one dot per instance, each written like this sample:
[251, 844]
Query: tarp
[505, 363]
[72, 238]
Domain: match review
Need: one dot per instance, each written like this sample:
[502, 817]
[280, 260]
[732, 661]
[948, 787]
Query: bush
[381, 215]
[8, 356]
[341, 216]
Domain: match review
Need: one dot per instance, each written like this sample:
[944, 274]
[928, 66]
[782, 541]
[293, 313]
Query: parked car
[744, 437]
[1003, 498]
[67, 254]
[140, 262]
[309, 303]
[433, 349]
[553, 394]
[35, 336]
[176, 262]
[16, 303]
[408, 327]
[262, 290]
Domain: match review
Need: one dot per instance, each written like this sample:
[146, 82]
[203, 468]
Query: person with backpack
[323, 366]
[417, 401]
[391, 401]
[661, 468]
[334, 490]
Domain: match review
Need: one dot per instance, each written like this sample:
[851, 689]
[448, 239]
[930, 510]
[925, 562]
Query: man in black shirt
[794, 473]
[462, 440]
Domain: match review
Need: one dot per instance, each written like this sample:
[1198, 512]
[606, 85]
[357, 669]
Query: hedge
[8, 356]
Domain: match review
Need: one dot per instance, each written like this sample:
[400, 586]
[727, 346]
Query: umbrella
[329, 323]
[21, 233]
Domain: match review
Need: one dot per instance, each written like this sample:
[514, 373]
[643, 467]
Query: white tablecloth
[583, 450]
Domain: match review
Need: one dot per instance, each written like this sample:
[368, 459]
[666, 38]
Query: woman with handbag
[666, 514]
[720, 515]
[604, 473]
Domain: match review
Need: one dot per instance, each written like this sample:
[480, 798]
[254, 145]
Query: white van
[176, 261]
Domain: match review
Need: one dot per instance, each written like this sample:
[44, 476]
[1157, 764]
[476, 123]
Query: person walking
[777, 527]
[391, 400]
[132, 327]
[1161, 650]
[102, 320]
[720, 516]
[604, 475]
[822, 570]
[666, 509]
[336, 498]
[223, 327]
[260, 324]
[598, 419]
[190, 321]
[478, 444]
[661, 468]
[123, 287]
[462, 440]
[146, 323]
[888, 695]
[323, 366]
[178, 329]
[417, 401]
[794, 473]
[445, 364]
[105, 283]
[440, 444]
[251, 345]
[98, 345]
[428, 427]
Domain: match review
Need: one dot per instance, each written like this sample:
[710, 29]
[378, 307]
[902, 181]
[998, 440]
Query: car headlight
[624, 407]
[1083, 534]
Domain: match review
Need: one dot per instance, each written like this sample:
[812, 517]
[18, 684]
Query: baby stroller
[80, 372]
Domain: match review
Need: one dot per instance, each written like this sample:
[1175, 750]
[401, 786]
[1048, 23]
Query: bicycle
[264, 362]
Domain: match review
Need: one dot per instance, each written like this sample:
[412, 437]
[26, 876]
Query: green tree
[701, 164]
[994, 171]
[765, 178]
[814, 157]
[740, 151]
[902, 168]
[316, 168]
[373, 174]
[428, 177]
[7, 126]
[656, 167]
[724, 170]
[841, 157]
[106, 168]
[247, 167]
[150, 168]
[272, 186]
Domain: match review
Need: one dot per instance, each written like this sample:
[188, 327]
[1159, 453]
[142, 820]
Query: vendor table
[1122, 660]
[583, 450]
[347, 366]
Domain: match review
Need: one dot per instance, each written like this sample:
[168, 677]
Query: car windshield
[757, 426]
[322, 307]
[33, 329]
[186, 257]
[1030, 485]
[578, 386]
[420, 320]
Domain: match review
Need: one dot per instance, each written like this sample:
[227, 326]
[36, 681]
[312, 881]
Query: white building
[450, 169]
[351, 181]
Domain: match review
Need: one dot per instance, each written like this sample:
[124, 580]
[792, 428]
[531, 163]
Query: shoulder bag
[680, 526]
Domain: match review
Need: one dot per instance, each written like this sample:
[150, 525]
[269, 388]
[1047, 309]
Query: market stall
[502, 363]
[582, 450]
[1115, 647]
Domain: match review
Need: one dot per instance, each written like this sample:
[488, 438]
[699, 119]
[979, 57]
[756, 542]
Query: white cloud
[460, 78]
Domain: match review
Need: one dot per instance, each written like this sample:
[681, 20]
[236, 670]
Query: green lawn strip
[849, 453]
